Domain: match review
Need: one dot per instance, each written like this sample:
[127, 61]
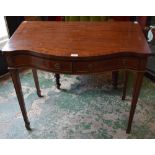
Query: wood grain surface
[85, 39]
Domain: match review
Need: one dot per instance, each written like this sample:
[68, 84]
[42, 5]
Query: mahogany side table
[77, 48]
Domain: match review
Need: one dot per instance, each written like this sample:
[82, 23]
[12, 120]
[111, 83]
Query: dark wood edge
[72, 73]
[46, 56]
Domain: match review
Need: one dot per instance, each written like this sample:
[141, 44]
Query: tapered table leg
[125, 85]
[57, 77]
[115, 79]
[17, 85]
[136, 91]
[36, 81]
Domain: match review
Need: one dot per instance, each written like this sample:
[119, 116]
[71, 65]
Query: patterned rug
[85, 107]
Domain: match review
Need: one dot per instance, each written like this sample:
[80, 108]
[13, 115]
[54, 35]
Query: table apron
[79, 66]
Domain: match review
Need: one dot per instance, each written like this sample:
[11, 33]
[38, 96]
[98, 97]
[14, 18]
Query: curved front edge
[73, 66]
[110, 64]
[29, 61]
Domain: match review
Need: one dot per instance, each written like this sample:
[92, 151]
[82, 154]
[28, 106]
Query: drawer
[57, 66]
[42, 63]
[98, 66]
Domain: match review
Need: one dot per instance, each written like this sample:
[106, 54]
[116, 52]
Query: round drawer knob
[57, 66]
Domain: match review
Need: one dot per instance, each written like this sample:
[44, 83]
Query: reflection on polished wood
[79, 48]
[84, 38]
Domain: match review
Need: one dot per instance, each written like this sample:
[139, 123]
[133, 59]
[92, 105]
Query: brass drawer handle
[57, 66]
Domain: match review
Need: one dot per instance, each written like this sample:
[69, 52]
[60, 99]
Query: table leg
[125, 85]
[57, 77]
[17, 85]
[36, 81]
[115, 79]
[136, 91]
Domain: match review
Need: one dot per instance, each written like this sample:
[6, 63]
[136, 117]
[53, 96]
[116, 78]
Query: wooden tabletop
[82, 39]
